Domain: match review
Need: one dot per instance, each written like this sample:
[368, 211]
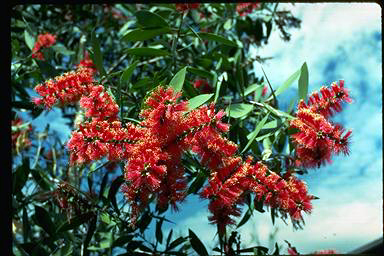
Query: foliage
[120, 56]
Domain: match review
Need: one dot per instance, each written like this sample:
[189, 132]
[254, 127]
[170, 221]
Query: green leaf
[252, 88]
[97, 57]
[74, 222]
[169, 238]
[239, 110]
[105, 218]
[29, 39]
[126, 75]
[26, 225]
[145, 34]
[176, 242]
[122, 240]
[200, 72]
[43, 220]
[303, 82]
[103, 183]
[197, 183]
[197, 245]
[147, 52]
[66, 250]
[223, 76]
[246, 217]
[178, 80]
[288, 82]
[259, 126]
[40, 177]
[113, 190]
[90, 232]
[149, 19]
[199, 100]
[20, 176]
[159, 232]
[144, 221]
[59, 48]
[217, 38]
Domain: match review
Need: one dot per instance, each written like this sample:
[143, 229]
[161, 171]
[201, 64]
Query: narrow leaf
[29, 39]
[159, 232]
[197, 245]
[178, 80]
[288, 82]
[217, 38]
[303, 82]
[145, 34]
[113, 190]
[239, 110]
[199, 100]
[259, 126]
[147, 52]
[252, 88]
[246, 217]
[43, 219]
[97, 57]
[149, 19]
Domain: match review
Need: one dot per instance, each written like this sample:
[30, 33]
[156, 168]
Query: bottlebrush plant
[160, 111]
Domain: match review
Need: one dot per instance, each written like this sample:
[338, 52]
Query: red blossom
[246, 8]
[202, 85]
[43, 41]
[186, 7]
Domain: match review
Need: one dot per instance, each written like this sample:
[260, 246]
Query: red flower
[202, 85]
[264, 91]
[186, 7]
[43, 41]
[246, 8]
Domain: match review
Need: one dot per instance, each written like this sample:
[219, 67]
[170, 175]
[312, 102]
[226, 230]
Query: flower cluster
[246, 8]
[293, 251]
[67, 88]
[19, 135]
[43, 41]
[186, 7]
[152, 151]
[318, 138]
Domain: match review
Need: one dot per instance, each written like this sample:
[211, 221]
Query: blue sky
[337, 41]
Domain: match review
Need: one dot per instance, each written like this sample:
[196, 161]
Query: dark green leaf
[176, 242]
[220, 79]
[239, 110]
[147, 52]
[259, 126]
[144, 221]
[178, 80]
[126, 75]
[103, 183]
[159, 232]
[169, 238]
[41, 179]
[303, 82]
[97, 57]
[90, 232]
[29, 39]
[20, 176]
[273, 210]
[26, 226]
[66, 250]
[217, 38]
[43, 219]
[197, 183]
[276, 252]
[122, 240]
[113, 190]
[74, 222]
[200, 72]
[246, 217]
[197, 245]
[145, 34]
[149, 19]
[199, 100]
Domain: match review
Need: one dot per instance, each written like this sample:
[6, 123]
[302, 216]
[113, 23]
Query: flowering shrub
[161, 106]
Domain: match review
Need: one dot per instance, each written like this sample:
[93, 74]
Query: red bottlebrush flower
[186, 7]
[202, 85]
[65, 89]
[318, 138]
[87, 63]
[99, 104]
[43, 41]
[246, 8]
